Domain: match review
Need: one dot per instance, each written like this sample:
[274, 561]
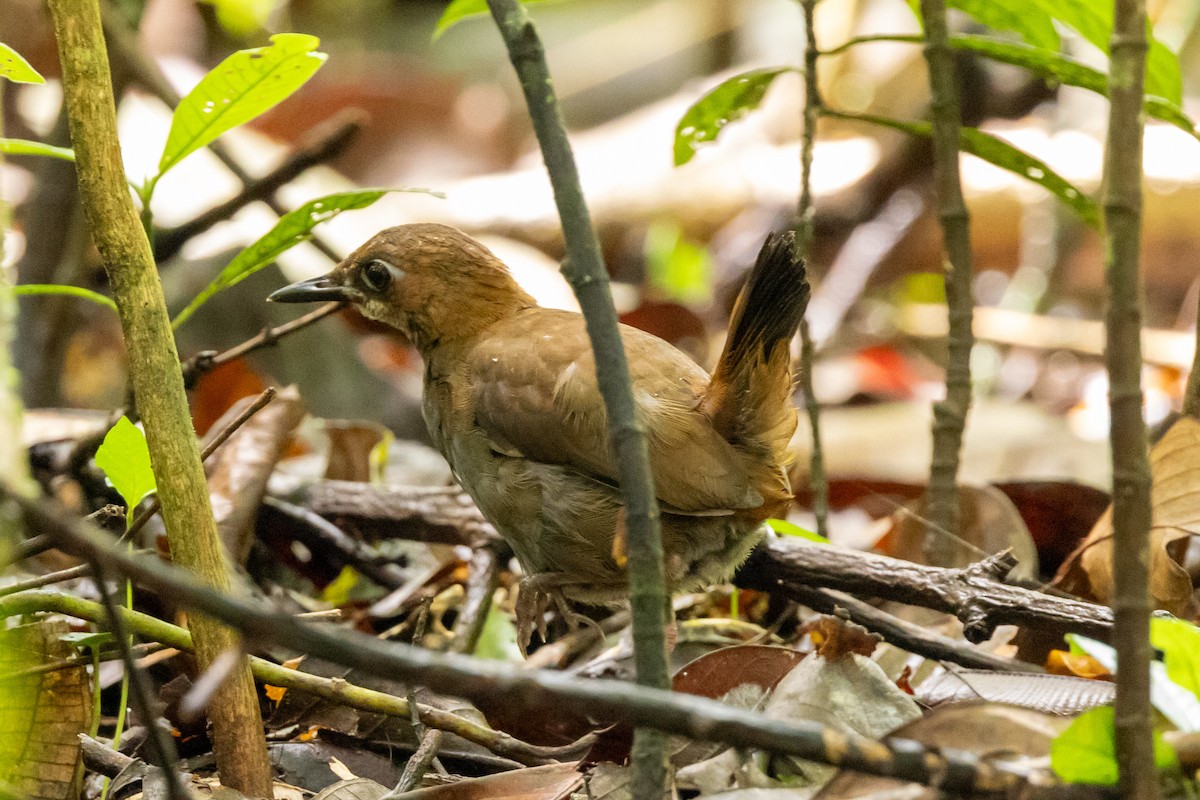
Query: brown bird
[511, 401]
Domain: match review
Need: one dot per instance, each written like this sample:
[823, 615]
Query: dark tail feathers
[748, 395]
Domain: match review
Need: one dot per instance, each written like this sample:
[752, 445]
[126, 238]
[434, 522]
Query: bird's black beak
[312, 290]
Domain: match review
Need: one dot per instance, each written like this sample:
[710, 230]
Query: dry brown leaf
[1081, 665]
[835, 638]
[553, 782]
[718, 673]
[239, 469]
[1175, 503]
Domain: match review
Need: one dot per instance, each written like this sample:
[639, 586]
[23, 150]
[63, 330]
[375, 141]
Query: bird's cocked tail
[748, 397]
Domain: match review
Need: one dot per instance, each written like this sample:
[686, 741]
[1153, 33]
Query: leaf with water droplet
[729, 101]
[1004, 155]
[245, 85]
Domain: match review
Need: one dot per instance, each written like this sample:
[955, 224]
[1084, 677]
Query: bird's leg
[534, 597]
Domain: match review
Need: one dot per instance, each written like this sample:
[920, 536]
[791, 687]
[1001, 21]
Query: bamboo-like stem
[1123, 358]
[238, 742]
[950, 415]
[817, 479]
[14, 463]
[335, 690]
[585, 271]
[1191, 395]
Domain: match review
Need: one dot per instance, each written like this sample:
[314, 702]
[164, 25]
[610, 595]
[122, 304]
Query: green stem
[817, 479]
[117, 232]
[1131, 516]
[950, 415]
[585, 271]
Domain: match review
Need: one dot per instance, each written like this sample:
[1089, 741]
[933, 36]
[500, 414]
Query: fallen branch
[439, 515]
[327, 540]
[973, 594]
[904, 634]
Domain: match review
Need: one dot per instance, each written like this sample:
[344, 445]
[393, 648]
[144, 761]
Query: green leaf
[729, 101]
[498, 639]
[239, 89]
[292, 229]
[1179, 642]
[458, 10]
[1086, 751]
[785, 528]
[1002, 154]
[16, 68]
[25, 147]
[341, 589]
[1033, 20]
[1048, 64]
[679, 268]
[84, 640]
[1033, 24]
[1174, 701]
[1054, 66]
[70, 291]
[241, 18]
[125, 459]
[1094, 21]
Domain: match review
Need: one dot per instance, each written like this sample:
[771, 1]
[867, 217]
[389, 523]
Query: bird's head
[432, 282]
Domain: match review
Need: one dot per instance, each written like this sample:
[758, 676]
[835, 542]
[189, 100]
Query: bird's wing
[534, 392]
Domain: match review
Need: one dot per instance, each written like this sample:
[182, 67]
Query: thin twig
[47, 579]
[162, 748]
[418, 764]
[1191, 395]
[906, 635]
[87, 659]
[206, 361]
[222, 436]
[482, 581]
[322, 143]
[334, 690]
[949, 415]
[805, 212]
[584, 270]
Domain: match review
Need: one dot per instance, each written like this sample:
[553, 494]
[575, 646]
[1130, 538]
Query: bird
[511, 401]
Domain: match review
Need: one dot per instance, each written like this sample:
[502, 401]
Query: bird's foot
[533, 600]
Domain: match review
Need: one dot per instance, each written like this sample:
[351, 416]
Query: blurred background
[447, 115]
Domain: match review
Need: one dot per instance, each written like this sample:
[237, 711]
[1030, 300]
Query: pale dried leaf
[1060, 695]
[1175, 503]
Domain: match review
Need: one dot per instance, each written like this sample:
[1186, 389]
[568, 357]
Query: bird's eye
[377, 275]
